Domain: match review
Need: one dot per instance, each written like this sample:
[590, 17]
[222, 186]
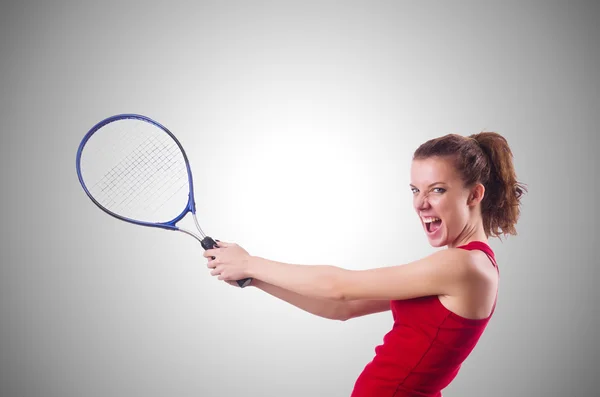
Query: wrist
[253, 265]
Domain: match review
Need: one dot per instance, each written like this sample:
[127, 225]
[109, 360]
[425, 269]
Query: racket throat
[198, 225]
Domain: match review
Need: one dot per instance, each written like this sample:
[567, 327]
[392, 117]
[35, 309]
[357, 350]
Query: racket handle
[209, 243]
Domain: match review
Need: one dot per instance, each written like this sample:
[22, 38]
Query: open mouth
[432, 224]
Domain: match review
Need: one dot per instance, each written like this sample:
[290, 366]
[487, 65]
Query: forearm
[326, 308]
[315, 281]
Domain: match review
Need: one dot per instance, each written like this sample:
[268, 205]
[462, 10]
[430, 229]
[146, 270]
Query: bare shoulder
[482, 266]
[475, 267]
[472, 262]
[476, 296]
[481, 279]
[462, 261]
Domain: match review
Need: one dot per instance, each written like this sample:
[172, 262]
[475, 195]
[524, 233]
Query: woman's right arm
[326, 308]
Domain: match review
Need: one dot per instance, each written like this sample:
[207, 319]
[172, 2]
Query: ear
[476, 195]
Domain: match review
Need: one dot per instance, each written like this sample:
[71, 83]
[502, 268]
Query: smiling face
[446, 207]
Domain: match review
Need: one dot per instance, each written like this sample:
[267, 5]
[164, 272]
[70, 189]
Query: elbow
[337, 287]
[344, 317]
[337, 295]
[335, 290]
[343, 312]
[338, 316]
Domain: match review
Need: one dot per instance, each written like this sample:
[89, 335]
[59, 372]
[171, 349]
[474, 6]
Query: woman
[465, 190]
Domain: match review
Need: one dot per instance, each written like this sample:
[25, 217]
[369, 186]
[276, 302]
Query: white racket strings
[136, 170]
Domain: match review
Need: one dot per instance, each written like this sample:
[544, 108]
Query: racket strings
[174, 178]
[124, 176]
[121, 171]
[141, 181]
[112, 149]
[140, 172]
[134, 170]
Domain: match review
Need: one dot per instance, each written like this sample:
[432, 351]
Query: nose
[421, 202]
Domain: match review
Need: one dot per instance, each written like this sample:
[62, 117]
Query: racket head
[127, 160]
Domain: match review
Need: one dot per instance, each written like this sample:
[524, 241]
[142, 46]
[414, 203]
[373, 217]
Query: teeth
[429, 220]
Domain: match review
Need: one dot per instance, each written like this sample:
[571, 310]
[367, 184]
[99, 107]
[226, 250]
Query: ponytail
[500, 207]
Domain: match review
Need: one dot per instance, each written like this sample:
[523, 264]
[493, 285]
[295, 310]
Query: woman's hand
[231, 262]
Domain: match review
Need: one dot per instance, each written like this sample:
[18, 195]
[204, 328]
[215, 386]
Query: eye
[439, 189]
[414, 189]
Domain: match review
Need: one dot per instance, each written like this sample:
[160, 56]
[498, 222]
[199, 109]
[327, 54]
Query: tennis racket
[136, 170]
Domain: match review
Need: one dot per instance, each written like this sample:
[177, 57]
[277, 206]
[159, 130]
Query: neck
[473, 231]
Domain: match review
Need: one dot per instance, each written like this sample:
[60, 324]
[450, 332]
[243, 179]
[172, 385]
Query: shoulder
[458, 260]
[465, 267]
[476, 266]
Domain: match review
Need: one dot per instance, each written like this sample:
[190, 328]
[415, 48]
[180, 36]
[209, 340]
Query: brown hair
[484, 158]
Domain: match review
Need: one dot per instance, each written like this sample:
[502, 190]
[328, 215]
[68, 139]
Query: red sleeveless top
[425, 349]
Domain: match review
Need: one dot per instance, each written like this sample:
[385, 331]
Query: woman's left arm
[444, 272]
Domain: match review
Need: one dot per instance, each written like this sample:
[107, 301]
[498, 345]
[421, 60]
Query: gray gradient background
[299, 119]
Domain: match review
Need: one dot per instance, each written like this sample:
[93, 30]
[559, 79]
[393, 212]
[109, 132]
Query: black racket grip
[209, 243]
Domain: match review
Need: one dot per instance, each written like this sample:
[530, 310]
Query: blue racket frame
[191, 205]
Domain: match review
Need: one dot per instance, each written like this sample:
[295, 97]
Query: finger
[222, 244]
[212, 262]
[211, 252]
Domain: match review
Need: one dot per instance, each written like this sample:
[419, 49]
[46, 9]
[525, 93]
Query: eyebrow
[434, 183]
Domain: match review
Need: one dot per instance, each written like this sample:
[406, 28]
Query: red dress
[424, 351]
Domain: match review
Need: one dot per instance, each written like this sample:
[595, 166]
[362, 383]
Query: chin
[437, 241]
[437, 244]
